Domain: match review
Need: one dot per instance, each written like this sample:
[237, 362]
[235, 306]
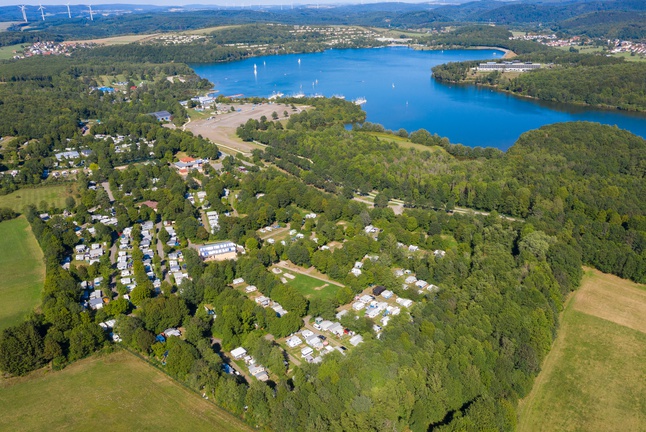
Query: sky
[211, 2]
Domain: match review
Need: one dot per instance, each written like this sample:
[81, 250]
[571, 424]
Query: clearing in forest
[52, 195]
[593, 378]
[311, 287]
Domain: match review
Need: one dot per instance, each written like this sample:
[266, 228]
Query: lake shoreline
[600, 107]
[508, 54]
[401, 94]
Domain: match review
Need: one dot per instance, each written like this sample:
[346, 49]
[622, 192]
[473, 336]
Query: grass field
[594, 376]
[118, 40]
[199, 115]
[207, 30]
[22, 269]
[51, 194]
[117, 392]
[591, 50]
[583, 49]
[405, 142]
[7, 52]
[5, 25]
[451, 242]
[311, 287]
[627, 57]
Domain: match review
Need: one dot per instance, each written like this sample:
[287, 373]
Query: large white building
[508, 66]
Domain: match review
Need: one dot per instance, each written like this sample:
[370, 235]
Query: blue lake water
[400, 93]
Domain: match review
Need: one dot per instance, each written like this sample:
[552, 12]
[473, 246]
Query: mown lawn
[22, 270]
[593, 379]
[55, 194]
[311, 287]
[116, 392]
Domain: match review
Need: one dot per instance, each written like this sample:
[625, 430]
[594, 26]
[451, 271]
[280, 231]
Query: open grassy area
[5, 25]
[612, 298]
[392, 33]
[118, 40]
[55, 194]
[118, 392]
[628, 57]
[405, 142]
[593, 49]
[199, 115]
[206, 30]
[108, 80]
[7, 52]
[588, 49]
[593, 378]
[311, 287]
[22, 269]
[451, 242]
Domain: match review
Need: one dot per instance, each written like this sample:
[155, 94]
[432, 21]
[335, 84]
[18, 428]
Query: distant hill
[615, 18]
[518, 13]
[610, 24]
[419, 19]
[466, 11]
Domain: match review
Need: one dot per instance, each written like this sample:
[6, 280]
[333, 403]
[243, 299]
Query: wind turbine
[69, 14]
[42, 11]
[24, 14]
[91, 13]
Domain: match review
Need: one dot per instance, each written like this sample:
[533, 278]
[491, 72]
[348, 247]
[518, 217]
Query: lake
[400, 92]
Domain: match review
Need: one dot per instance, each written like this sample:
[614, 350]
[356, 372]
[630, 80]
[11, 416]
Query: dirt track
[221, 130]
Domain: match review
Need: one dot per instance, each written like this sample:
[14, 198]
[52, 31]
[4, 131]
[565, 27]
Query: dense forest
[621, 86]
[505, 184]
[607, 24]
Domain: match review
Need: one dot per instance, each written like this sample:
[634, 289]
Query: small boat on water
[360, 101]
